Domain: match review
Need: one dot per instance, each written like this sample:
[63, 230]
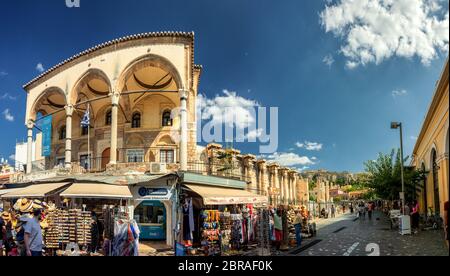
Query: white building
[20, 157]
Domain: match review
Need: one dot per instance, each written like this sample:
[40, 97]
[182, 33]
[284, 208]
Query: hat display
[6, 216]
[37, 204]
[25, 205]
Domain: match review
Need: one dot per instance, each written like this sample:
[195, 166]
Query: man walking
[33, 235]
[333, 211]
[298, 227]
[370, 209]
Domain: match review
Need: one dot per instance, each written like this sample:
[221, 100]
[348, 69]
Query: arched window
[84, 130]
[166, 119]
[62, 133]
[108, 118]
[136, 120]
[435, 168]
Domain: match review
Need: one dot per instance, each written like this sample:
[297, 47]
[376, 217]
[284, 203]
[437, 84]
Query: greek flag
[86, 121]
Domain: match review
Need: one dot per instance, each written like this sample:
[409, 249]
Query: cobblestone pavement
[349, 236]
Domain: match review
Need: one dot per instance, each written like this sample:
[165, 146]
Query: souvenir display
[211, 232]
[225, 230]
[263, 232]
[237, 235]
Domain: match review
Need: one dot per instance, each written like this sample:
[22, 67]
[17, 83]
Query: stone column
[183, 129]
[293, 186]
[30, 126]
[284, 185]
[114, 114]
[69, 113]
[250, 175]
[262, 185]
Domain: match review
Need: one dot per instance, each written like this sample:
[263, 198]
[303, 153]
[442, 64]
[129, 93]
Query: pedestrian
[415, 216]
[343, 208]
[33, 235]
[370, 209]
[446, 219]
[278, 225]
[351, 208]
[323, 213]
[2, 228]
[298, 227]
[95, 233]
[361, 212]
[333, 211]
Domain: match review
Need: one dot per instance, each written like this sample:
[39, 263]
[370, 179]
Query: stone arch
[149, 60]
[165, 140]
[60, 151]
[83, 147]
[86, 77]
[135, 140]
[147, 97]
[37, 105]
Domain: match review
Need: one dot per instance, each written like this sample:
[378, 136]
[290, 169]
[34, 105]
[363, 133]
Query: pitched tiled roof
[113, 42]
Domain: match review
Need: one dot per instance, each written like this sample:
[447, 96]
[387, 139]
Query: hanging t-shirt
[277, 222]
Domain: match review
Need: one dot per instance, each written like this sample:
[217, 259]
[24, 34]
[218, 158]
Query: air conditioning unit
[158, 168]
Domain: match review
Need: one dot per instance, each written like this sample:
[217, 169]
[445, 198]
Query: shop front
[219, 217]
[154, 209]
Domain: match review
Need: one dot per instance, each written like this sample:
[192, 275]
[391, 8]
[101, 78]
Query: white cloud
[12, 157]
[253, 134]
[375, 30]
[289, 159]
[3, 74]
[310, 145]
[7, 96]
[328, 60]
[398, 93]
[40, 67]
[223, 108]
[413, 137]
[8, 116]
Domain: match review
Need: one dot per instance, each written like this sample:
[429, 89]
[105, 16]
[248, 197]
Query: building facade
[431, 152]
[140, 94]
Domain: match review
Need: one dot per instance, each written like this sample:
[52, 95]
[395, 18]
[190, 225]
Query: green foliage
[312, 185]
[385, 177]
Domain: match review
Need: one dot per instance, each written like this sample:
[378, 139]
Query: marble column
[183, 129]
[30, 126]
[115, 97]
[69, 113]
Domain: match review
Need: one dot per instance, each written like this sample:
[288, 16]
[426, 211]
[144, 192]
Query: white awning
[37, 190]
[7, 191]
[96, 190]
[225, 196]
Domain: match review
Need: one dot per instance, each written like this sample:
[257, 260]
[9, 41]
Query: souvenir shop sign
[146, 193]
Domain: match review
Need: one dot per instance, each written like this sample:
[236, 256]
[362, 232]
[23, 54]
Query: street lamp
[395, 125]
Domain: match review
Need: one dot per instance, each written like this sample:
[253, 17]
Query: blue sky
[275, 54]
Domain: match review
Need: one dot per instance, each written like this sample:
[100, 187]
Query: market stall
[221, 221]
[110, 212]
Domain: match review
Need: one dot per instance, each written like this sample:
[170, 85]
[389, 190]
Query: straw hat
[37, 204]
[6, 216]
[25, 205]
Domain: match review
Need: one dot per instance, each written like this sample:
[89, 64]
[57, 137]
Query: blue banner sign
[46, 127]
[153, 193]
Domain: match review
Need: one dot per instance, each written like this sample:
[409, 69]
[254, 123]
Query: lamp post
[395, 125]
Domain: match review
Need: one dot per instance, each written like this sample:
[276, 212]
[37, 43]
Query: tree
[384, 177]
